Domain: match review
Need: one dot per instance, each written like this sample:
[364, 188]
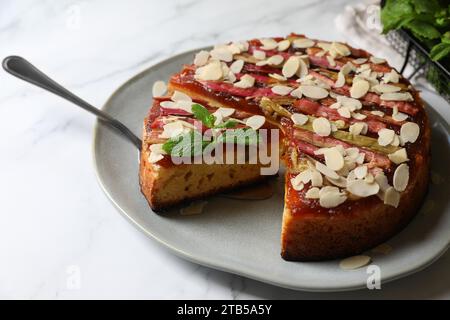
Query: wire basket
[417, 56]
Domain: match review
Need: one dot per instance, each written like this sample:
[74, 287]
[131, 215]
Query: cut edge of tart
[354, 133]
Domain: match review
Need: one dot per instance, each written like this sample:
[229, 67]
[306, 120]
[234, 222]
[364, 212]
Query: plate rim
[203, 261]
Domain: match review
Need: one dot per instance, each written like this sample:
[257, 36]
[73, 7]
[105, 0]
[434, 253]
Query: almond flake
[354, 262]
[260, 55]
[341, 182]
[331, 61]
[225, 112]
[392, 76]
[159, 88]
[299, 118]
[312, 193]
[361, 172]
[155, 157]
[255, 122]
[302, 43]
[358, 128]
[331, 197]
[326, 171]
[316, 178]
[340, 80]
[168, 104]
[409, 132]
[363, 189]
[334, 159]
[358, 116]
[296, 185]
[275, 60]
[277, 76]
[322, 126]
[399, 116]
[401, 177]
[385, 136]
[397, 96]
[245, 82]
[382, 181]
[281, 90]
[344, 112]
[391, 197]
[237, 66]
[385, 88]
[290, 67]
[340, 48]
[359, 89]
[351, 103]
[283, 45]
[376, 60]
[180, 96]
[172, 129]
[201, 58]
[268, 44]
[303, 69]
[359, 60]
[398, 156]
[313, 92]
[222, 54]
[211, 71]
[304, 176]
[377, 113]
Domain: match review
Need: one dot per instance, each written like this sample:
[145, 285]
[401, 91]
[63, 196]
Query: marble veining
[60, 237]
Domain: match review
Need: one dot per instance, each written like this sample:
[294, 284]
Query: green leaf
[186, 145]
[202, 114]
[245, 136]
[227, 124]
[423, 30]
[426, 6]
[396, 13]
[440, 51]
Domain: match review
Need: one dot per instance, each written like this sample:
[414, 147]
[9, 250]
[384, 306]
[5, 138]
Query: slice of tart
[356, 135]
[170, 177]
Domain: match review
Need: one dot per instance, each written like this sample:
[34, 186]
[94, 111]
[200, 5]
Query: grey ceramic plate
[243, 237]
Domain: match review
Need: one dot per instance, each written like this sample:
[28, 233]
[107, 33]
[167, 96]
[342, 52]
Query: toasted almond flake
[299, 118]
[331, 197]
[399, 116]
[351, 103]
[260, 55]
[397, 96]
[409, 132]
[324, 45]
[303, 43]
[392, 76]
[194, 208]
[401, 177]
[322, 126]
[340, 48]
[359, 89]
[277, 76]
[159, 88]
[210, 71]
[312, 193]
[316, 178]
[391, 197]
[358, 116]
[354, 262]
[377, 113]
[281, 90]
[297, 185]
[255, 122]
[383, 248]
[358, 128]
[385, 88]
[237, 66]
[385, 136]
[359, 60]
[361, 172]
[376, 60]
[398, 156]
[275, 60]
[246, 81]
[361, 188]
[313, 92]
[180, 96]
[334, 159]
[283, 45]
[268, 44]
[331, 61]
[222, 54]
[290, 67]
[344, 112]
[326, 171]
[201, 58]
[382, 181]
[225, 112]
[303, 69]
[340, 80]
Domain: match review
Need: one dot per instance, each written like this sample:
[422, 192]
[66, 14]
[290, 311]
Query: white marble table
[55, 222]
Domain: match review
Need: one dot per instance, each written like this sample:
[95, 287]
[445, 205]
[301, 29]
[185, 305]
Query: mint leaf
[228, 124]
[202, 114]
[245, 136]
[186, 145]
[440, 51]
[396, 13]
[426, 6]
[423, 30]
